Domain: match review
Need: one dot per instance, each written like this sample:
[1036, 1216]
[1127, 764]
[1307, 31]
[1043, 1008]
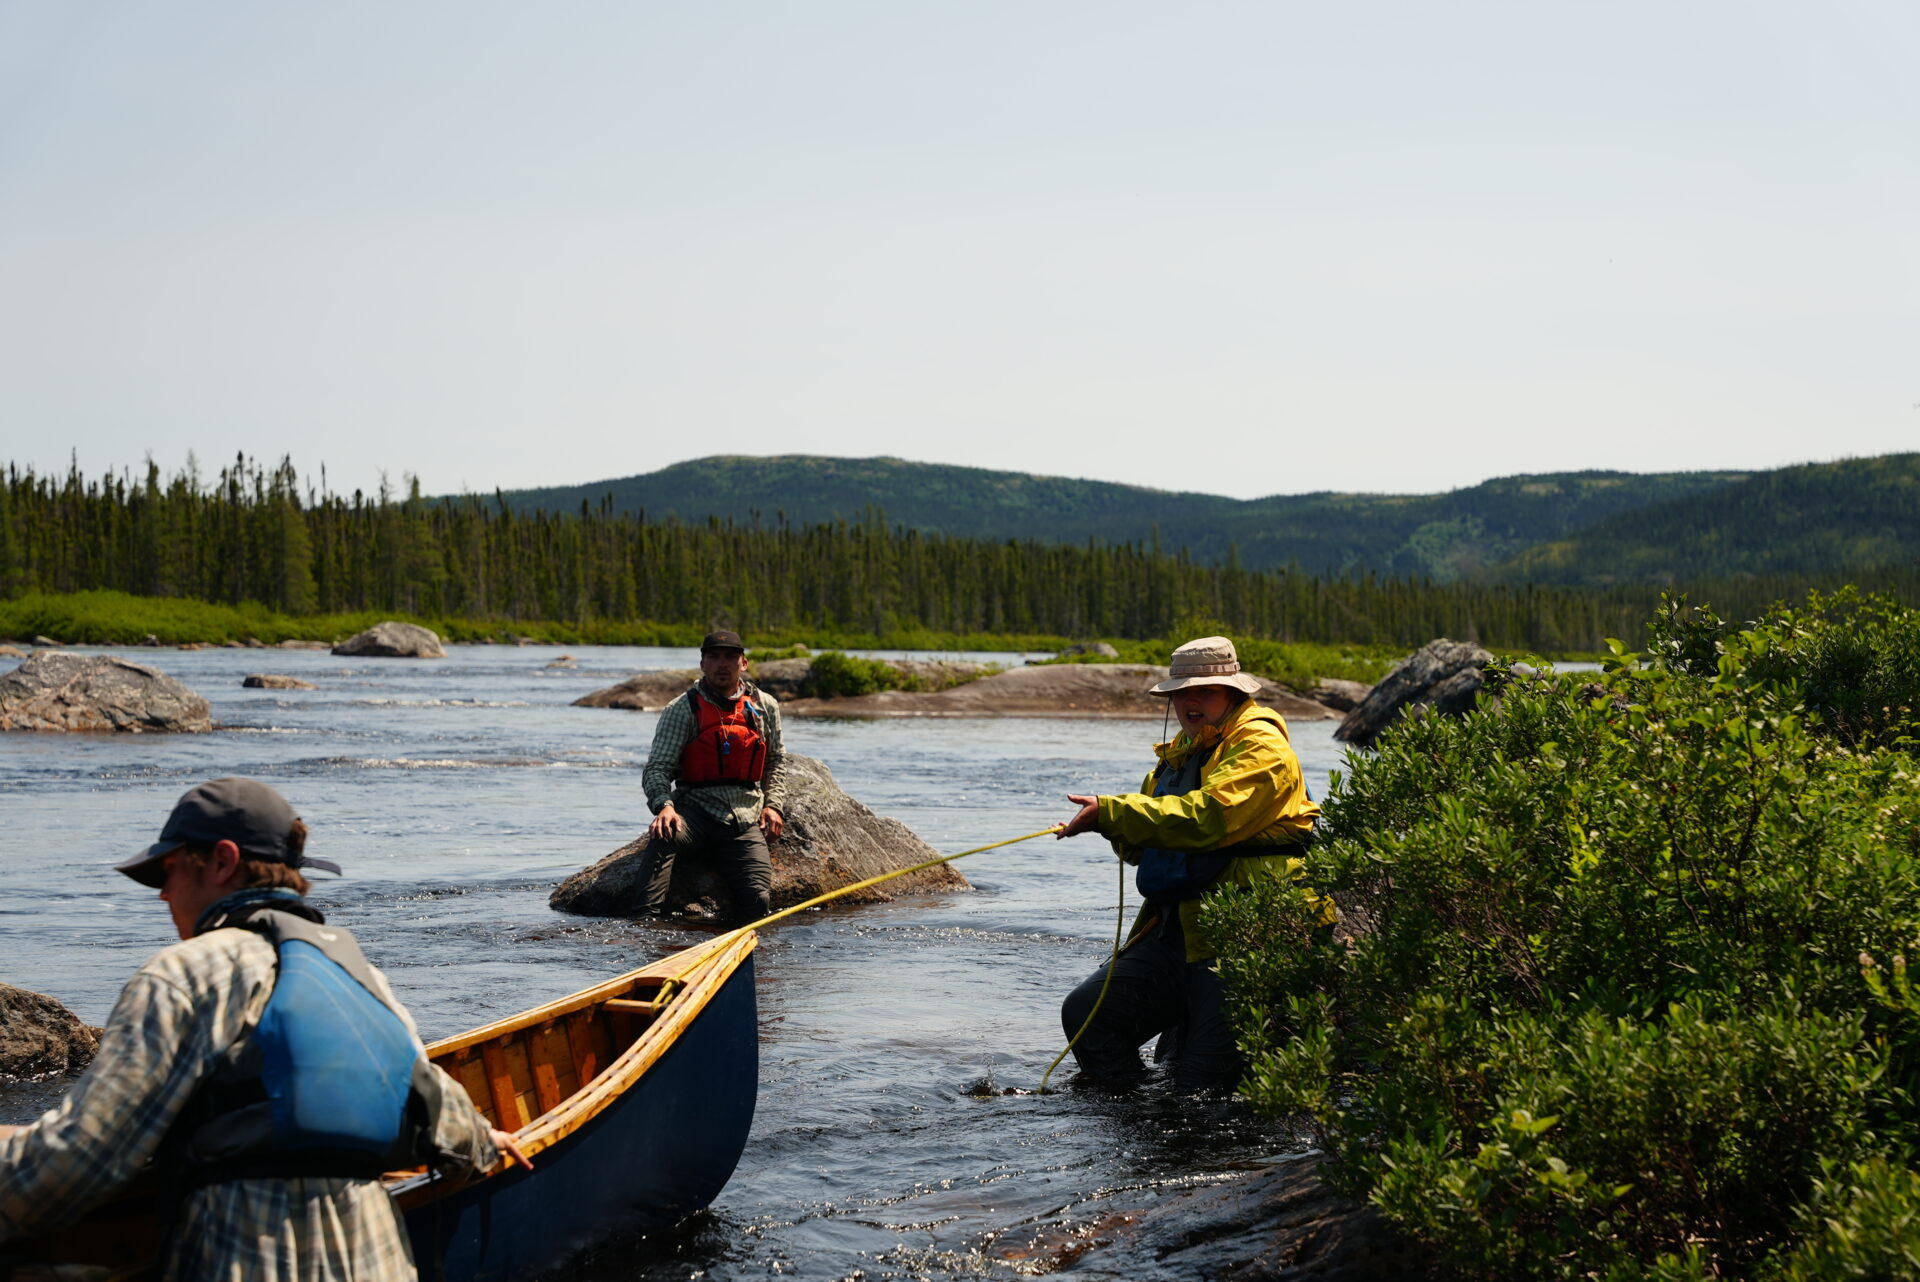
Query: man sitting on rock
[715, 782]
[261, 1065]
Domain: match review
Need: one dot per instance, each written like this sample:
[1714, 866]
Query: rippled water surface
[456, 792]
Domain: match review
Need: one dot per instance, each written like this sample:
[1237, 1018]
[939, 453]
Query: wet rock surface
[276, 681]
[831, 840]
[1051, 690]
[1443, 675]
[392, 640]
[1275, 1225]
[38, 1035]
[56, 690]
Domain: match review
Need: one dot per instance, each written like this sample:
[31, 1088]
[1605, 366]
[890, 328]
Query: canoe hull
[664, 1149]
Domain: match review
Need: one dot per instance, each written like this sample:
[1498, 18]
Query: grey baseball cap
[246, 812]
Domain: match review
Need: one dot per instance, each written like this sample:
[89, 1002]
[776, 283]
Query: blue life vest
[327, 1083]
[1169, 876]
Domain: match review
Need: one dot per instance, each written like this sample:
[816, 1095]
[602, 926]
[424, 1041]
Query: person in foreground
[716, 782]
[1225, 805]
[260, 1064]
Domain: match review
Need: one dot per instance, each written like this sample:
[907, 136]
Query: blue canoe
[633, 1099]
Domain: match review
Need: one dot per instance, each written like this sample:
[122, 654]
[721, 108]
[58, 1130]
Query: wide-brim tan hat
[1210, 661]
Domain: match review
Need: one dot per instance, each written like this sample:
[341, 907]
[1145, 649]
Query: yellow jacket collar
[1180, 747]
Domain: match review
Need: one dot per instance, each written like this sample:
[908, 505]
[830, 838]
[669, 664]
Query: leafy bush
[1602, 1009]
[835, 675]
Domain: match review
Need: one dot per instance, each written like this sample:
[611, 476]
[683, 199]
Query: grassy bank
[118, 618]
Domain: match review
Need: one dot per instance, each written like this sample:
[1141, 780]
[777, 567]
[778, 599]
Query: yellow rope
[1119, 924]
[875, 881]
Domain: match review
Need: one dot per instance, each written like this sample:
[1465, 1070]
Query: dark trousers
[1155, 991]
[741, 856]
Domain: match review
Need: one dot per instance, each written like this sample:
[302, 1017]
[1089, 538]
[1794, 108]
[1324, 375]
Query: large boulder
[39, 1035]
[831, 840]
[1443, 675]
[61, 690]
[391, 640]
[642, 692]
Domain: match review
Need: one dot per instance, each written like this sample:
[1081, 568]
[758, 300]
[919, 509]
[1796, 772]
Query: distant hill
[1806, 521]
[1443, 536]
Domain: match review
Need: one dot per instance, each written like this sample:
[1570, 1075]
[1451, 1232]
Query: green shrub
[1602, 1010]
[835, 675]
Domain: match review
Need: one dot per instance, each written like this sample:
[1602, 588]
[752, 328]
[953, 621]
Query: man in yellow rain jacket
[1225, 805]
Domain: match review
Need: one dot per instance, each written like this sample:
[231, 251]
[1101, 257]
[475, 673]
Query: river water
[456, 792]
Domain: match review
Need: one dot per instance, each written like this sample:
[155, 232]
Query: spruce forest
[259, 534]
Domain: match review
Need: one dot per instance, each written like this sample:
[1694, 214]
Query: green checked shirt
[175, 1019]
[739, 803]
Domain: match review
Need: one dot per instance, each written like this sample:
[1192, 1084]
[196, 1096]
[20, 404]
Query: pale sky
[1241, 248]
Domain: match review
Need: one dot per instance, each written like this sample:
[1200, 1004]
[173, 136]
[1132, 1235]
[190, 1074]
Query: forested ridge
[257, 533]
[1437, 536]
[1805, 520]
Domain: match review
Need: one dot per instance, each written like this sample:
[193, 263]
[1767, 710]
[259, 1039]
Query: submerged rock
[831, 840]
[60, 690]
[1443, 675]
[392, 640]
[39, 1035]
[276, 681]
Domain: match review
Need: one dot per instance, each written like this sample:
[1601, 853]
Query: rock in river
[639, 693]
[276, 681]
[1047, 690]
[60, 690]
[1444, 675]
[391, 640]
[39, 1035]
[831, 841]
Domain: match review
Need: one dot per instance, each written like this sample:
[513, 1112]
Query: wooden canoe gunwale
[696, 975]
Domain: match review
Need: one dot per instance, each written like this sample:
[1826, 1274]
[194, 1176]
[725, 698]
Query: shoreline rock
[831, 840]
[1443, 675]
[58, 690]
[393, 640]
[38, 1035]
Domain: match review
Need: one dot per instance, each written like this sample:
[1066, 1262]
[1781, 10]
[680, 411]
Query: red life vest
[726, 747]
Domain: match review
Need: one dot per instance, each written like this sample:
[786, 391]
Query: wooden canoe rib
[633, 1098]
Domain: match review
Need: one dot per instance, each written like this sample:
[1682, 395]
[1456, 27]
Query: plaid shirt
[742, 804]
[175, 1019]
